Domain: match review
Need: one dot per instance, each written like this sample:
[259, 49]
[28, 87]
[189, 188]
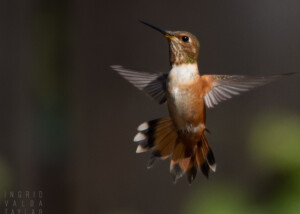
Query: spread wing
[223, 87]
[154, 84]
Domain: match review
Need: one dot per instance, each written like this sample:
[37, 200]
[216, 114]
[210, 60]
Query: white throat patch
[184, 73]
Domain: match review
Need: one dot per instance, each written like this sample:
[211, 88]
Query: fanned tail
[161, 137]
[187, 159]
[158, 135]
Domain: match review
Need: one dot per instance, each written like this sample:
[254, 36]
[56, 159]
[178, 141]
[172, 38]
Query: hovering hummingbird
[181, 136]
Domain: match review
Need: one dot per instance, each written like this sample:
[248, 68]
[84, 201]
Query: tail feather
[176, 171]
[205, 156]
[181, 158]
[179, 167]
[192, 169]
[153, 132]
[211, 160]
[165, 147]
[200, 159]
[205, 169]
[158, 135]
[162, 138]
[208, 154]
[178, 152]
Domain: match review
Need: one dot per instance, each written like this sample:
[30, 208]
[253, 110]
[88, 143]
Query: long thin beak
[164, 32]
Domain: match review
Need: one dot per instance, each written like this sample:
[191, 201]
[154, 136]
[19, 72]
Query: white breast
[179, 94]
[183, 73]
[179, 81]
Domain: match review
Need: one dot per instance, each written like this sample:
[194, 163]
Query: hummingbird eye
[185, 39]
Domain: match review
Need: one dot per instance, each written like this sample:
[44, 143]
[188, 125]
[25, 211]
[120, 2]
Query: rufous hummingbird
[181, 136]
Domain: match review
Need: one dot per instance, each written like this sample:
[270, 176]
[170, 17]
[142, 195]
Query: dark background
[67, 119]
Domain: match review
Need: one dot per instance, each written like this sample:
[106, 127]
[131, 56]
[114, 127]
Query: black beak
[164, 32]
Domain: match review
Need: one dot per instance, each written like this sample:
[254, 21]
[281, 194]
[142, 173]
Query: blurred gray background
[67, 119]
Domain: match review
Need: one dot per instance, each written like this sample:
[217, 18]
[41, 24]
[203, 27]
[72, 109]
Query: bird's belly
[186, 109]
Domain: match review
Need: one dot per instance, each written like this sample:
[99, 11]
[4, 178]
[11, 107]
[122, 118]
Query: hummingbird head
[184, 46]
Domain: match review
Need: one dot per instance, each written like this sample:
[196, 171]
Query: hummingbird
[182, 135]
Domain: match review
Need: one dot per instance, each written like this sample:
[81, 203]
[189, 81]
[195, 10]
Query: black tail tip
[205, 169]
[210, 157]
[191, 174]
[176, 173]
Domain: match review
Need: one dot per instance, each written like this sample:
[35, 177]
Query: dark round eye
[185, 38]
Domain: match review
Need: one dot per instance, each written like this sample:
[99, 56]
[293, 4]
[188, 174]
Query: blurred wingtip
[115, 66]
